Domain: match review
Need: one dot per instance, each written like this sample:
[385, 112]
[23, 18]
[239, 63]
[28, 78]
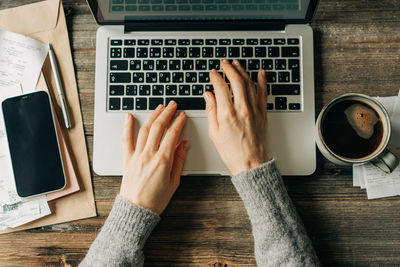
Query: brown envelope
[45, 21]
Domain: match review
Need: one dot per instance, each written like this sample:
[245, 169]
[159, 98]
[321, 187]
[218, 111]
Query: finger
[211, 110]
[159, 125]
[262, 91]
[251, 88]
[144, 130]
[172, 135]
[128, 145]
[179, 160]
[222, 94]
[237, 83]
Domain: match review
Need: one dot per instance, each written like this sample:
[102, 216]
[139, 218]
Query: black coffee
[352, 129]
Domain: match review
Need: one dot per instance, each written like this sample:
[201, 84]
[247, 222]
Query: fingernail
[159, 107]
[225, 61]
[205, 95]
[171, 103]
[127, 117]
[236, 62]
[214, 70]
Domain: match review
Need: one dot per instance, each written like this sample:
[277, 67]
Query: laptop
[149, 52]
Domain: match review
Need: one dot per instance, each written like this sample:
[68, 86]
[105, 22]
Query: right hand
[238, 128]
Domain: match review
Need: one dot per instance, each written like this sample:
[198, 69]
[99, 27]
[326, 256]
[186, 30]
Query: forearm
[279, 235]
[121, 239]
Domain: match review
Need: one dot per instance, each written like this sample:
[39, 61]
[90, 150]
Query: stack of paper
[21, 60]
[366, 176]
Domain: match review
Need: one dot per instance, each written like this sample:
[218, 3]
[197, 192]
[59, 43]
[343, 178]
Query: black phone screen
[33, 144]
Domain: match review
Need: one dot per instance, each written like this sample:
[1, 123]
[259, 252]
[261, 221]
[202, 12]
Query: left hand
[152, 168]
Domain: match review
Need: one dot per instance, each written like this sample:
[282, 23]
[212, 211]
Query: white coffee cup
[362, 113]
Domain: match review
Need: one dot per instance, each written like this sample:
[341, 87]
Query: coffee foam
[362, 119]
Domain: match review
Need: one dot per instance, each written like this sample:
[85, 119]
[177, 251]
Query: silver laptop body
[290, 120]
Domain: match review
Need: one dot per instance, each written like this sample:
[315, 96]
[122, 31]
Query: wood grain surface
[357, 49]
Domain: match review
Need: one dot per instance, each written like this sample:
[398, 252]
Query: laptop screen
[119, 11]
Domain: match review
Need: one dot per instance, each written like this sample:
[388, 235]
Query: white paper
[21, 60]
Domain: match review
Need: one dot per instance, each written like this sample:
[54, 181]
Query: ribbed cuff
[130, 222]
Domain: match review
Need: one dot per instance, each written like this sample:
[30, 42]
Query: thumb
[179, 160]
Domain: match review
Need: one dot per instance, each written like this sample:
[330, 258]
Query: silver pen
[60, 89]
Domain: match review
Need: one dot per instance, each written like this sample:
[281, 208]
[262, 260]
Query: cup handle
[387, 161]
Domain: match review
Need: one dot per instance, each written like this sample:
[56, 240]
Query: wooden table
[357, 49]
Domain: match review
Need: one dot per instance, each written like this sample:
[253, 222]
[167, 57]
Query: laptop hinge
[253, 25]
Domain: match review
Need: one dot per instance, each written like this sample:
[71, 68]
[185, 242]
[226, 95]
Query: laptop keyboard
[144, 73]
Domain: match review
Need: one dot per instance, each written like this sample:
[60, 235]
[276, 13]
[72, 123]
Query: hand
[238, 128]
[152, 168]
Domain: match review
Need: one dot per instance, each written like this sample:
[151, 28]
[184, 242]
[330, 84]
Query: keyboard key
[270, 106]
[170, 89]
[183, 41]
[194, 52]
[197, 89]
[247, 51]
[260, 52]
[115, 52]
[253, 64]
[157, 41]
[294, 106]
[280, 103]
[284, 77]
[251, 7]
[131, 8]
[293, 41]
[170, 42]
[164, 77]
[234, 52]
[197, 42]
[129, 52]
[290, 51]
[151, 77]
[266, 41]
[114, 103]
[120, 77]
[181, 52]
[238, 41]
[116, 90]
[207, 52]
[161, 65]
[168, 52]
[209, 88]
[138, 77]
[174, 65]
[293, 64]
[273, 51]
[131, 90]
[224, 41]
[116, 42]
[148, 64]
[141, 103]
[127, 103]
[188, 64]
[197, 7]
[143, 42]
[188, 103]
[117, 8]
[144, 89]
[204, 77]
[296, 75]
[243, 63]
[157, 89]
[201, 64]
[118, 64]
[211, 42]
[155, 52]
[129, 42]
[220, 52]
[252, 41]
[285, 89]
[135, 65]
[214, 64]
[154, 102]
[271, 76]
[224, 7]
[144, 8]
[142, 52]
[238, 7]
[280, 64]
[171, 8]
[267, 64]
[177, 77]
[184, 90]
[253, 76]
[184, 7]
[191, 77]
[279, 41]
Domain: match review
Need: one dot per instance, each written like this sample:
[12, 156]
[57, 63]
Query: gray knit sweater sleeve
[279, 235]
[121, 240]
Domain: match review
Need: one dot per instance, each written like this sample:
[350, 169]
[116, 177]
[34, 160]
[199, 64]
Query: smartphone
[33, 144]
